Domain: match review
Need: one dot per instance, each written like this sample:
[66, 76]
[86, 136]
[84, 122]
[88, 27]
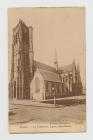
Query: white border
[4, 4]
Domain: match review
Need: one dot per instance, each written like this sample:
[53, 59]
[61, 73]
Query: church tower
[22, 61]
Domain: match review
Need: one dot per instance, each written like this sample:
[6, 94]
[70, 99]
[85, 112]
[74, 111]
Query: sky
[62, 29]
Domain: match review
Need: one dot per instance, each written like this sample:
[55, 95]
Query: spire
[74, 71]
[56, 66]
[78, 73]
[74, 65]
[74, 62]
[56, 62]
[78, 68]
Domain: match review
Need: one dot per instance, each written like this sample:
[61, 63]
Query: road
[26, 114]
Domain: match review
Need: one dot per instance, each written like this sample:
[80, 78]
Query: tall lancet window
[37, 85]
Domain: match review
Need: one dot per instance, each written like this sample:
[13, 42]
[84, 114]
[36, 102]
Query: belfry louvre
[34, 80]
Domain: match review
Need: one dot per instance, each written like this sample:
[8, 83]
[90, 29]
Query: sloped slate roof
[49, 76]
[48, 72]
[67, 68]
[44, 66]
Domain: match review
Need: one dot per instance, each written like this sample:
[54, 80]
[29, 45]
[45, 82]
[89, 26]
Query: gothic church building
[31, 79]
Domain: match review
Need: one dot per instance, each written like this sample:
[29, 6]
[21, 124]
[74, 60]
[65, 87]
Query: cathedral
[31, 79]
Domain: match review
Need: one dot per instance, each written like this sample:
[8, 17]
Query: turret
[74, 72]
[58, 70]
[55, 61]
[78, 74]
[79, 82]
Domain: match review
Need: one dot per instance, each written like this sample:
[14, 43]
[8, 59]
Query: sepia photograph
[47, 70]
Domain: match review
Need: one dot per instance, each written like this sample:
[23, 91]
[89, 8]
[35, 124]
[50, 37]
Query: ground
[66, 113]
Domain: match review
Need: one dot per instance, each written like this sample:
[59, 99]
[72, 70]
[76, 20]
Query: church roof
[44, 66]
[48, 72]
[49, 76]
[67, 68]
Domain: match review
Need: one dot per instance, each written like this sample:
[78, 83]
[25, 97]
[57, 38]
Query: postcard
[47, 72]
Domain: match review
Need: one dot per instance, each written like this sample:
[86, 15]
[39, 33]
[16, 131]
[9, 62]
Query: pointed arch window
[37, 85]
